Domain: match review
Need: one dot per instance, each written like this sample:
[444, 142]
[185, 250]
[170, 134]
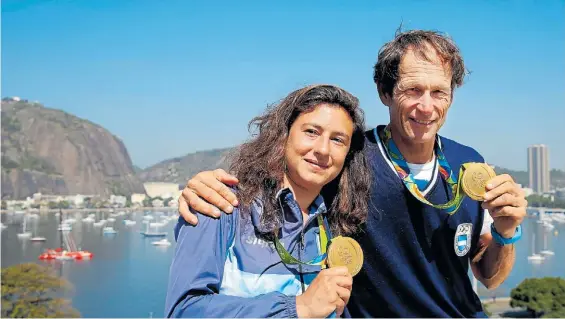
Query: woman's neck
[304, 197]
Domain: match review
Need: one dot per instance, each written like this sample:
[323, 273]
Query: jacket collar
[292, 215]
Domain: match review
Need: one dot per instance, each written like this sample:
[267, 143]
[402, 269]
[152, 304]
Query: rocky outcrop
[52, 152]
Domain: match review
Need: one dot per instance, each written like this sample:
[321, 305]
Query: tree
[64, 204]
[535, 200]
[87, 203]
[541, 296]
[147, 201]
[486, 311]
[4, 205]
[32, 290]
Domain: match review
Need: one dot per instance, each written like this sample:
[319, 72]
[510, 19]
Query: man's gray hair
[386, 69]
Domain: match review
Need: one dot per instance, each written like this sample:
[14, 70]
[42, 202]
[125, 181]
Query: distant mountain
[557, 177]
[520, 177]
[179, 169]
[53, 152]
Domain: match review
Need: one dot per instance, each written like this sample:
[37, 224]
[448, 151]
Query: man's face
[421, 98]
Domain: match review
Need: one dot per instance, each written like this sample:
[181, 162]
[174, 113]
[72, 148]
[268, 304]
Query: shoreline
[76, 210]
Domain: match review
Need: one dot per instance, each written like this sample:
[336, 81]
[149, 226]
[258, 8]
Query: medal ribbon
[401, 168]
[320, 260]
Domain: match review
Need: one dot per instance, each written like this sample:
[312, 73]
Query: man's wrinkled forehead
[424, 56]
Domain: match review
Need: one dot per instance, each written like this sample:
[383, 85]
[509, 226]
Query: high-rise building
[538, 168]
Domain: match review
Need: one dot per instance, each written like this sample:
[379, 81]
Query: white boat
[148, 217]
[162, 242]
[36, 237]
[24, 235]
[65, 227]
[157, 224]
[548, 225]
[2, 226]
[69, 221]
[111, 219]
[546, 251]
[64, 256]
[99, 223]
[534, 256]
[88, 219]
[129, 222]
[153, 233]
[109, 230]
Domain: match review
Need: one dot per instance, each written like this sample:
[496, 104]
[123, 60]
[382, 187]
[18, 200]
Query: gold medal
[475, 178]
[345, 251]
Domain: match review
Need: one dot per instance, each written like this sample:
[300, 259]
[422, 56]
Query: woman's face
[317, 145]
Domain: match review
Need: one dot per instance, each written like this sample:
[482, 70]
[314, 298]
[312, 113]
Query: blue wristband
[505, 241]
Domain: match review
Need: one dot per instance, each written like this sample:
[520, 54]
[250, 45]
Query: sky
[174, 77]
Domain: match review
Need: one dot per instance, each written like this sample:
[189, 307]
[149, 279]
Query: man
[416, 255]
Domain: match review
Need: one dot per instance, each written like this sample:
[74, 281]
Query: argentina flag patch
[462, 240]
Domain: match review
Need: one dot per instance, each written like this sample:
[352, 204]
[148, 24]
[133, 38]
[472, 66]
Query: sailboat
[162, 242]
[89, 219]
[24, 233]
[546, 251]
[547, 225]
[153, 233]
[534, 256]
[129, 222]
[100, 222]
[36, 238]
[109, 230]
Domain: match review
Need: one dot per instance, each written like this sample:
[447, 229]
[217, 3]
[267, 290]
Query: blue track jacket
[223, 268]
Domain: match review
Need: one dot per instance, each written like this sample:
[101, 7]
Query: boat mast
[60, 232]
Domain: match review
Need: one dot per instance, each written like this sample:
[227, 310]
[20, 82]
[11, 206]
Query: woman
[309, 146]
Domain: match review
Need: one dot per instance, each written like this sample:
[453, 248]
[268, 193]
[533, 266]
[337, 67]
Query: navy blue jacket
[416, 257]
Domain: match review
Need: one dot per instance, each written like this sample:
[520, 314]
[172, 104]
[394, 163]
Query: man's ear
[386, 99]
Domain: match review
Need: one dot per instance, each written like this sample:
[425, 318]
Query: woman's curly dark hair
[259, 163]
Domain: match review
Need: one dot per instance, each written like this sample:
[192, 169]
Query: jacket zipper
[300, 265]
[301, 246]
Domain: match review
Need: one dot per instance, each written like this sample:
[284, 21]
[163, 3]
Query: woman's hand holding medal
[328, 292]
